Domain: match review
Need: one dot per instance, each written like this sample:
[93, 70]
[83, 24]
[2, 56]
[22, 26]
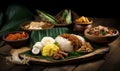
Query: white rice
[64, 44]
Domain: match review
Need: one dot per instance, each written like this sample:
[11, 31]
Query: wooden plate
[98, 53]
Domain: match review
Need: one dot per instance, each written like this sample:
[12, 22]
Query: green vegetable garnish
[56, 43]
[69, 18]
[104, 33]
[45, 16]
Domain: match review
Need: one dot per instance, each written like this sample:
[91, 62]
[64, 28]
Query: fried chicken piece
[86, 47]
[60, 55]
[63, 53]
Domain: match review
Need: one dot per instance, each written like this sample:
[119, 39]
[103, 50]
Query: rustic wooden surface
[110, 62]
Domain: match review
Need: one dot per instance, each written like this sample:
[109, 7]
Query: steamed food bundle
[64, 17]
[60, 46]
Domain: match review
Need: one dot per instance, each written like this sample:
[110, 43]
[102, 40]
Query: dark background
[98, 8]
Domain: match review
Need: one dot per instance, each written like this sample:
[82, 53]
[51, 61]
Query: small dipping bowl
[11, 38]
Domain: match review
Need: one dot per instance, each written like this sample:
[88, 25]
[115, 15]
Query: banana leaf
[69, 17]
[64, 14]
[15, 15]
[45, 16]
[101, 49]
[39, 34]
[1, 19]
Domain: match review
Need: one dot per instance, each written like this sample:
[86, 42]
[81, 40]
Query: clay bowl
[101, 39]
[25, 26]
[16, 41]
[81, 27]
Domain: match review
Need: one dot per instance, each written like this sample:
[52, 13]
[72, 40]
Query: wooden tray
[98, 53]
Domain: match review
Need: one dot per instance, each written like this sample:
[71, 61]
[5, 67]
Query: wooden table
[109, 62]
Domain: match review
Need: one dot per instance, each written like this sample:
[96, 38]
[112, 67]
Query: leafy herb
[73, 53]
[56, 43]
[46, 16]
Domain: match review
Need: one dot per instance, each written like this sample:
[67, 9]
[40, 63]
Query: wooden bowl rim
[4, 36]
[28, 22]
[86, 33]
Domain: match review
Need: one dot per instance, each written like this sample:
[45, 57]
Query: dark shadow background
[98, 8]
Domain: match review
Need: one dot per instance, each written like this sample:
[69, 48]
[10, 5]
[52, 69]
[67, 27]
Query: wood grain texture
[90, 66]
[90, 56]
[60, 68]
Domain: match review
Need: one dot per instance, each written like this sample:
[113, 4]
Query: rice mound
[69, 42]
[64, 44]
